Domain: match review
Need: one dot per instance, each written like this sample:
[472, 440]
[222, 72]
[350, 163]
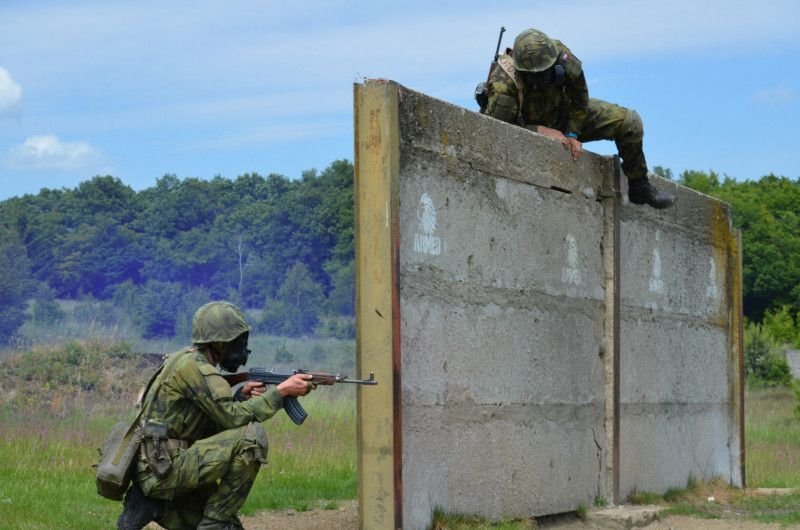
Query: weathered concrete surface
[677, 369]
[501, 320]
[793, 360]
[528, 294]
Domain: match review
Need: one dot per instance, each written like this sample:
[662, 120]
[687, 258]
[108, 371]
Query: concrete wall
[793, 360]
[539, 342]
[678, 368]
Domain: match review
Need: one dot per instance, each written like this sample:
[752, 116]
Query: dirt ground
[343, 518]
[346, 518]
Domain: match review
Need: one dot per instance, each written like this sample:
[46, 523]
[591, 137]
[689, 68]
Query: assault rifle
[290, 404]
[481, 91]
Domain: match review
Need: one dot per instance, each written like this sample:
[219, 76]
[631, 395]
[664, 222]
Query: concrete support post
[611, 277]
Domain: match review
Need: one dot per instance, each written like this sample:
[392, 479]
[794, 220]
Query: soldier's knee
[632, 127]
[255, 446]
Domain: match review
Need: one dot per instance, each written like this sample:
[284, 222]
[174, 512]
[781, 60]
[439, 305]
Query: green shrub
[764, 366]
[44, 308]
[796, 390]
[75, 367]
[283, 355]
[337, 327]
[780, 323]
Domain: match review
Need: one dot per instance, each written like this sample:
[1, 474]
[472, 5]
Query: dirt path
[343, 518]
[346, 518]
[680, 522]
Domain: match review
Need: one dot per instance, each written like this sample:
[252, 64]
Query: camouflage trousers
[213, 477]
[607, 121]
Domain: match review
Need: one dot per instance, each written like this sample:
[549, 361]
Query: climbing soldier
[539, 85]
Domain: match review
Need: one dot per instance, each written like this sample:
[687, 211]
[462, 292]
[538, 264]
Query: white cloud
[10, 95]
[48, 152]
[776, 95]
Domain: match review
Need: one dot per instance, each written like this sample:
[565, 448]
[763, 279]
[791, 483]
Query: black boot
[640, 191]
[138, 510]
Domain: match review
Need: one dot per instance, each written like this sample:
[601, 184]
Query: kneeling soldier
[203, 447]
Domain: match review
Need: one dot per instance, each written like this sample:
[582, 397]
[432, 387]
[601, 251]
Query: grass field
[58, 403]
[51, 423]
[772, 435]
[47, 482]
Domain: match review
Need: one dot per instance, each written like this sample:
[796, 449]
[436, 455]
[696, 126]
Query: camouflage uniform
[567, 108]
[225, 443]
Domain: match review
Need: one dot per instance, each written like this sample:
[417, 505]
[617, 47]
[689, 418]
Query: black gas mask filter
[235, 353]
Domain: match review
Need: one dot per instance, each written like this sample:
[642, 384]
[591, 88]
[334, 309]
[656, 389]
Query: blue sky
[201, 88]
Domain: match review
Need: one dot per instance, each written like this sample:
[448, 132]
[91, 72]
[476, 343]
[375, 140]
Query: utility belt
[173, 444]
[157, 448]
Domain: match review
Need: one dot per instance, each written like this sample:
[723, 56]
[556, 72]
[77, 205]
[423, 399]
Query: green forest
[285, 248]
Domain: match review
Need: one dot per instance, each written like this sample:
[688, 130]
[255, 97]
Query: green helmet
[534, 51]
[217, 322]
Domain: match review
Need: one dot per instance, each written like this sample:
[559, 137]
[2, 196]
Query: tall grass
[772, 436]
[46, 479]
[47, 482]
[52, 421]
[312, 461]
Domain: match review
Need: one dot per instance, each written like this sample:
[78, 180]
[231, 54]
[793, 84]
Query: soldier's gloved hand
[297, 385]
[253, 389]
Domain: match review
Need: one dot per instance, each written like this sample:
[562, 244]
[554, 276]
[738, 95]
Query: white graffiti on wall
[426, 242]
[656, 283]
[571, 273]
[711, 288]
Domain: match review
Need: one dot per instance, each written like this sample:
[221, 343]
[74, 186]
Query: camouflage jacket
[193, 400]
[563, 108]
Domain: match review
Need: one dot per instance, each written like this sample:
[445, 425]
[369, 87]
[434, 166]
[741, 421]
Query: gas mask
[235, 353]
[552, 77]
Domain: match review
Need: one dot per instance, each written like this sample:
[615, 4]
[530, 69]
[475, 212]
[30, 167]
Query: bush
[294, 312]
[796, 390]
[44, 309]
[161, 309]
[91, 313]
[77, 366]
[337, 328]
[283, 355]
[781, 325]
[764, 366]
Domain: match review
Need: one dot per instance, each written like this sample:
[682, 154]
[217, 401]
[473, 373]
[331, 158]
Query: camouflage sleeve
[503, 103]
[576, 88]
[208, 391]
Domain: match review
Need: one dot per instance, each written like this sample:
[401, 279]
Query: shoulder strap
[507, 64]
[151, 397]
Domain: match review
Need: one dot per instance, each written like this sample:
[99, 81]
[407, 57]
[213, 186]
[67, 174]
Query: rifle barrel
[499, 40]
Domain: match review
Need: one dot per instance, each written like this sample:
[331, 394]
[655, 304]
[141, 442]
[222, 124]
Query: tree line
[286, 248]
[767, 211]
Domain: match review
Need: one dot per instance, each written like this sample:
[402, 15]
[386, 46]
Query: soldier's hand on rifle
[253, 389]
[297, 385]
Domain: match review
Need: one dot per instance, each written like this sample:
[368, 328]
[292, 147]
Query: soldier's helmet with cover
[534, 51]
[218, 322]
